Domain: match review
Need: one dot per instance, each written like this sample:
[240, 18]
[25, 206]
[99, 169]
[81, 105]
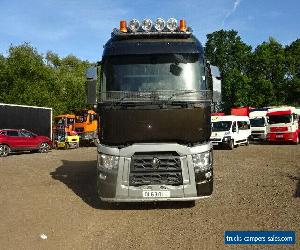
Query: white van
[230, 130]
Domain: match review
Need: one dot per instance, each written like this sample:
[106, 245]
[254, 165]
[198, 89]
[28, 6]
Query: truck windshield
[60, 121]
[81, 117]
[154, 72]
[257, 122]
[70, 121]
[274, 119]
[221, 126]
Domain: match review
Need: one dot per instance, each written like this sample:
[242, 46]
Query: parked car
[12, 140]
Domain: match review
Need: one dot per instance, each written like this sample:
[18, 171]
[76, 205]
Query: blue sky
[81, 27]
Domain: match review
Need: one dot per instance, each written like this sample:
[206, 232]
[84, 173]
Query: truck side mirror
[91, 85]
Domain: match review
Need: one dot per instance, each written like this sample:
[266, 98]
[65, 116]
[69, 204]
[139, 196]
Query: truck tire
[44, 147]
[231, 145]
[4, 150]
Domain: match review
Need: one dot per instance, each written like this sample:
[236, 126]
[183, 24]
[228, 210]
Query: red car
[12, 140]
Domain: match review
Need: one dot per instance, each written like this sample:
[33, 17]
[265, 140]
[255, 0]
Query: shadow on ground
[297, 190]
[80, 176]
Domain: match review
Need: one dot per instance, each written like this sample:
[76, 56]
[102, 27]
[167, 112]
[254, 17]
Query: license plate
[156, 194]
[215, 143]
[279, 136]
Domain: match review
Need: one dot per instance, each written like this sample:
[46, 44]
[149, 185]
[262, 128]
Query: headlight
[226, 138]
[202, 161]
[108, 161]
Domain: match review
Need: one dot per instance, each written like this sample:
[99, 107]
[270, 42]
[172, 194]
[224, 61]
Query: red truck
[283, 125]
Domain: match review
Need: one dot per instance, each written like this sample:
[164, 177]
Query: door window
[25, 133]
[243, 125]
[12, 133]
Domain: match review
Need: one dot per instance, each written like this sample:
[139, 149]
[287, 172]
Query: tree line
[264, 76]
[30, 78]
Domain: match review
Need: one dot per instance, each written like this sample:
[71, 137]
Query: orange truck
[86, 125]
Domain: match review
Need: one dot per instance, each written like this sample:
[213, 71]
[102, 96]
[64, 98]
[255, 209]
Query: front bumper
[88, 136]
[281, 137]
[258, 136]
[224, 141]
[113, 185]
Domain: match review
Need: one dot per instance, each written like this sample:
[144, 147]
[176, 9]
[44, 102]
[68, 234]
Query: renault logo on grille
[155, 163]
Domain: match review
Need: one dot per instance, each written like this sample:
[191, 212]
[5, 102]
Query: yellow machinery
[66, 141]
[63, 132]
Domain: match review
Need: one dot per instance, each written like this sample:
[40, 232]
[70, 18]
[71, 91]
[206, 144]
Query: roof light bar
[160, 27]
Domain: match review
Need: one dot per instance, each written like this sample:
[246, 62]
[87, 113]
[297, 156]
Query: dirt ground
[256, 188]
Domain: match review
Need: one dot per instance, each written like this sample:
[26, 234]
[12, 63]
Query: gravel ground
[256, 188]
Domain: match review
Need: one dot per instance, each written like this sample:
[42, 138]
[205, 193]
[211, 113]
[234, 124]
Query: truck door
[244, 130]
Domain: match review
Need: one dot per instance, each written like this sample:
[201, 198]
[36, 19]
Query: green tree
[226, 50]
[268, 70]
[29, 78]
[293, 72]
[3, 82]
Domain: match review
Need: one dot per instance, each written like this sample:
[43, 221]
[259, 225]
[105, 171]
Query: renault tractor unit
[154, 107]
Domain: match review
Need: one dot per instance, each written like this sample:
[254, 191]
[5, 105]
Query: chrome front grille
[150, 169]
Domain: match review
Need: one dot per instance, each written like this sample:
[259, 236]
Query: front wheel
[44, 147]
[231, 145]
[4, 150]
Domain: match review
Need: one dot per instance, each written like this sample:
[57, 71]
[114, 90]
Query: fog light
[102, 176]
[208, 175]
